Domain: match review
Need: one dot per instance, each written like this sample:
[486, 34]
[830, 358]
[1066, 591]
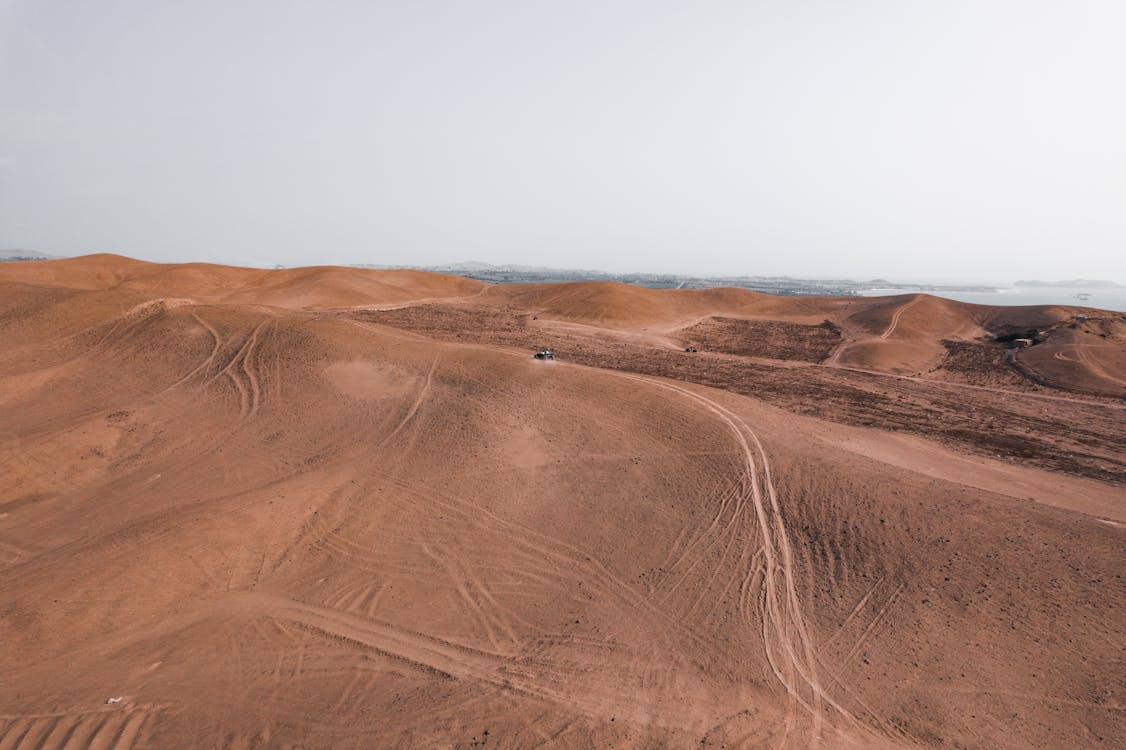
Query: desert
[337, 507]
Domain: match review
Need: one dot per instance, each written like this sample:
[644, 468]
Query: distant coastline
[1103, 298]
[17, 255]
[1102, 294]
[1106, 295]
[781, 285]
[1072, 284]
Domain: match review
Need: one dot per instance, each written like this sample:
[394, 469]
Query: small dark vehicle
[544, 354]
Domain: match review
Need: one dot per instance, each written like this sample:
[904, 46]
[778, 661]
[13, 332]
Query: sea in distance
[1112, 298]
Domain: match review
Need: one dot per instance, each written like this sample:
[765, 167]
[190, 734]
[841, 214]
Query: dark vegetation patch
[983, 364]
[764, 338]
[1012, 336]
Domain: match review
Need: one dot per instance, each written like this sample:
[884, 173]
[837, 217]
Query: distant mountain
[476, 266]
[1073, 284]
[467, 265]
[784, 285]
[6, 255]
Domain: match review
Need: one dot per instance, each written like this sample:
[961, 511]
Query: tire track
[216, 345]
[789, 647]
[422, 394]
[855, 611]
[880, 614]
[248, 369]
[535, 547]
[458, 578]
[249, 393]
[693, 552]
[787, 641]
[97, 729]
[898, 313]
[578, 686]
[276, 370]
[544, 560]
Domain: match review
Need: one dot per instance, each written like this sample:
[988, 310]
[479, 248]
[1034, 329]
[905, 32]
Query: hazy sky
[905, 139]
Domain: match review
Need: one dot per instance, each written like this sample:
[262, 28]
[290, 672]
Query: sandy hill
[316, 287]
[296, 509]
[624, 306]
[905, 334]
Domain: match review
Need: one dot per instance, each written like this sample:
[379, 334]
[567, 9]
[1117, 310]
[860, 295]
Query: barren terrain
[334, 507]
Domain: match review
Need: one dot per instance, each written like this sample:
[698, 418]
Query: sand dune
[619, 305]
[318, 287]
[344, 508]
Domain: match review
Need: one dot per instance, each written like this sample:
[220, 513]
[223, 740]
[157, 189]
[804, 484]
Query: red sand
[263, 513]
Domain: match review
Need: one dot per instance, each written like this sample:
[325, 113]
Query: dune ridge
[336, 507]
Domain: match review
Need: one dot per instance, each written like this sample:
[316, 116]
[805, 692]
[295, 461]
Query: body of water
[1103, 299]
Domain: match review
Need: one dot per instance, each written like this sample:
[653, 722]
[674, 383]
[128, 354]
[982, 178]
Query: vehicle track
[876, 619]
[694, 551]
[834, 358]
[598, 690]
[216, 345]
[554, 558]
[544, 559]
[791, 653]
[855, 611]
[239, 368]
[1097, 367]
[489, 617]
[788, 644]
[111, 728]
[899, 313]
[414, 407]
[248, 367]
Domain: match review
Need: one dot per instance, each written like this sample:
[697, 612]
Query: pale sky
[979, 139]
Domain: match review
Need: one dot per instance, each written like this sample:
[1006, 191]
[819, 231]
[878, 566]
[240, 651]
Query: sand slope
[263, 521]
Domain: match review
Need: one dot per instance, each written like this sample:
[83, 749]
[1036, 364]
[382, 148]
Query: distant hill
[779, 285]
[1073, 284]
[476, 266]
[10, 255]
